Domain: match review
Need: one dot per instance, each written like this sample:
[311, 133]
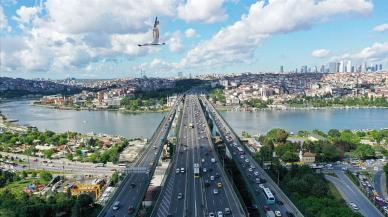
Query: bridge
[244, 164]
[196, 193]
[131, 191]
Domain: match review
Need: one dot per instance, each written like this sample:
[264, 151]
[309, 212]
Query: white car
[261, 186]
[177, 170]
[182, 170]
[219, 214]
[212, 178]
[278, 213]
[215, 191]
[204, 170]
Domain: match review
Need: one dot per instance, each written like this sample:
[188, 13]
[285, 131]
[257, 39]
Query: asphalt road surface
[135, 185]
[186, 195]
[351, 193]
[251, 170]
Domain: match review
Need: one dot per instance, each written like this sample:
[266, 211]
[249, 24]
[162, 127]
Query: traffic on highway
[197, 184]
[269, 200]
[127, 200]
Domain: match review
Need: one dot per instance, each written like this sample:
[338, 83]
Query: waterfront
[144, 124]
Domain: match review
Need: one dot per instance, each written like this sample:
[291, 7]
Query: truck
[270, 214]
[196, 170]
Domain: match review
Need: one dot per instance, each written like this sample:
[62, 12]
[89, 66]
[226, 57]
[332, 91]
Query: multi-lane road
[186, 194]
[127, 200]
[255, 177]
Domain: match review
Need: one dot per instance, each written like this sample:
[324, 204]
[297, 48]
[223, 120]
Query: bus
[270, 199]
[240, 150]
[196, 170]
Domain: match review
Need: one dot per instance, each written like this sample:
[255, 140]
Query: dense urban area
[75, 174]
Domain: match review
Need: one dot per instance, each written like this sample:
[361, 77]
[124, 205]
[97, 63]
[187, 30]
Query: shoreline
[99, 109]
[249, 109]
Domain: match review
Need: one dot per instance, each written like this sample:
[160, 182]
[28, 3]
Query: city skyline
[100, 40]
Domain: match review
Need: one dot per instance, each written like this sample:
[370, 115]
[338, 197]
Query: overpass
[132, 189]
[185, 193]
[248, 167]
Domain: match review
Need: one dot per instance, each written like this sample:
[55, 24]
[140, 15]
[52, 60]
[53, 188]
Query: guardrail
[268, 178]
[166, 178]
[151, 141]
[234, 190]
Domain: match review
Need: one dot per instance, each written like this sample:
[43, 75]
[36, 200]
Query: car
[180, 195]
[279, 202]
[227, 211]
[203, 159]
[217, 175]
[211, 214]
[261, 186]
[219, 185]
[177, 170]
[131, 209]
[215, 191]
[132, 185]
[250, 170]
[353, 205]
[266, 208]
[213, 160]
[256, 173]
[207, 183]
[278, 213]
[212, 178]
[290, 214]
[220, 214]
[182, 170]
[247, 160]
[116, 205]
[204, 170]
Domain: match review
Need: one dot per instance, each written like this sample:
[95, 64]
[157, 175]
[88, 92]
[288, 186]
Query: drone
[155, 35]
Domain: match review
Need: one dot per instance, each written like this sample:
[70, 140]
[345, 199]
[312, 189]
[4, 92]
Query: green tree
[364, 151]
[46, 176]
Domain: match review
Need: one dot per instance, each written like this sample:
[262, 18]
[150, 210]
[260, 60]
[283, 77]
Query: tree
[114, 179]
[364, 151]
[277, 135]
[334, 133]
[46, 176]
[48, 153]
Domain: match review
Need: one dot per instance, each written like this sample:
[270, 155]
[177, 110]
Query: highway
[187, 195]
[252, 173]
[351, 193]
[60, 166]
[132, 190]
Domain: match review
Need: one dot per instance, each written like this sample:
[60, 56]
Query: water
[295, 120]
[144, 124]
[129, 125]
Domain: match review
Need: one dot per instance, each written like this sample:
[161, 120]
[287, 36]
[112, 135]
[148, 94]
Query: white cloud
[3, 19]
[208, 11]
[237, 42]
[115, 16]
[190, 33]
[69, 35]
[320, 53]
[375, 52]
[381, 28]
[175, 42]
[25, 14]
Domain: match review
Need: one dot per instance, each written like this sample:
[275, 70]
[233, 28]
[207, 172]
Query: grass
[332, 174]
[334, 192]
[353, 178]
[17, 187]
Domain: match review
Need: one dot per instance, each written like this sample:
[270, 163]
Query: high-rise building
[281, 69]
[322, 69]
[381, 67]
[333, 67]
[341, 66]
[349, 66]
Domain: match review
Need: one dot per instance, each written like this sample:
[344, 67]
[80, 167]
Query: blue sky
[98, 39]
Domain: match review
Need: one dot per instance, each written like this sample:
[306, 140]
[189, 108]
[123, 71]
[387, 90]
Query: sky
[99, 39]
